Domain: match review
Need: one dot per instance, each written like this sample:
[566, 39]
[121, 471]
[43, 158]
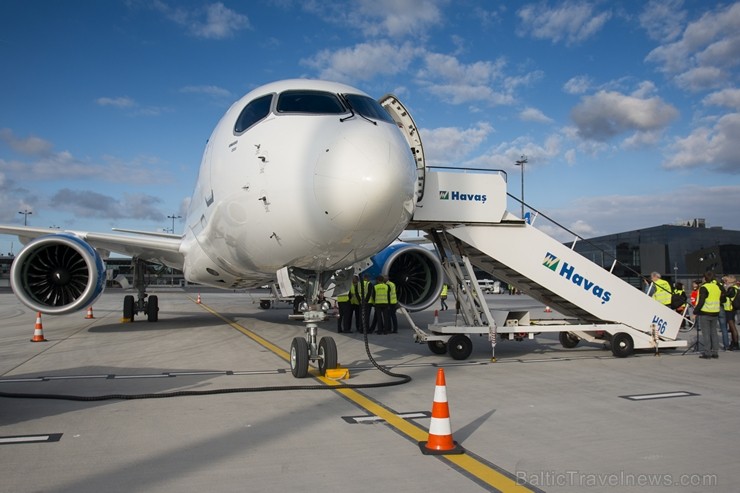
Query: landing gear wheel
[568, 340]
[459, 346]
[622, 345]
[437, 347]
[327, 354]
[128, 307]
[299, 357]
[265, 304]
[152, 309]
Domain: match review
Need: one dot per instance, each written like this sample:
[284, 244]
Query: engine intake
[58, 274]
[416, 272]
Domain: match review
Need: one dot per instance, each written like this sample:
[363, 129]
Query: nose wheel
[310, 348]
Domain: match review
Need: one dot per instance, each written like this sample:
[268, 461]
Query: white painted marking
[35, 438]
[664, 395]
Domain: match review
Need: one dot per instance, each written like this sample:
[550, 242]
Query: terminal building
[679, 252]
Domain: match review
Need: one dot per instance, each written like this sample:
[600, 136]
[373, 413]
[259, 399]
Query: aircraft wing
[155, 247]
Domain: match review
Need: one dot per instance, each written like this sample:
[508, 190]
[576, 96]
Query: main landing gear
[132, 306]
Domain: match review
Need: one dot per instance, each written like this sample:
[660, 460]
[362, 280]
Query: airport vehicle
[300, 180]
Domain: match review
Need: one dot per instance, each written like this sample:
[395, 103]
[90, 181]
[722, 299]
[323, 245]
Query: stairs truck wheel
[437, 347]
[327, 355]
[299, 357]
[128, 307]
[622, 345]
[460, 346]
[568, 340]
[265, 304]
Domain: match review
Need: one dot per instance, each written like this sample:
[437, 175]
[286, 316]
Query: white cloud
[213, 91]
[32, 146]
[363, 61]
[534, 115]
[447, 146]
[90, 204]
[573, 22]
[663, 20]
[714, 147]
[119, 102]
[608, 113]
[214, 21]
[729, 98]
[578, 85]
[708, 48]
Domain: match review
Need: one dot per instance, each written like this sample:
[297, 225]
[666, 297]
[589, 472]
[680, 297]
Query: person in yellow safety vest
[381, 302]
[731, 292]
[443, 297]
[393, 306]
[660, 289]
[707, 315]
[344, 322]
[360, 295]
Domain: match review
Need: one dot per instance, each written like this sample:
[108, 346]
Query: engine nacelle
[58, 274]
[416, 272]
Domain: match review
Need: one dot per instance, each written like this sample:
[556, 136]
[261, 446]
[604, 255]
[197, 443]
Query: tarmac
[540, 418]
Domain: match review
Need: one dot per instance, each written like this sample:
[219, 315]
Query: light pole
[173, 217]
[25, 213]
[521, 163]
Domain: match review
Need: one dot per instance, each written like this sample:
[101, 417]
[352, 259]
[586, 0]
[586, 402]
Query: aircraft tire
[128, 307]
[437, 347]
[622, 345]
[299, 357]
[265, 304]
[568, 340]
[152, 309]
[327, 354]
[460, 346]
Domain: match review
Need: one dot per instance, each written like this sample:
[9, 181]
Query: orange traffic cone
[198, 300]
[440, 437]
[38, 330]
[548, 309]
[89, 312]
[436, 317]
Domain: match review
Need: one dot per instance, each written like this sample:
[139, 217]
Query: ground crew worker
[707, 315]
[660, 290]
[393, 306]
[443, 297]
[344, 322]
[359, 296]
[381, 302]
[731, 292]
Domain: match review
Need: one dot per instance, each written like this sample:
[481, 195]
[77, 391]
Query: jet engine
[58, 274]
[416, 272]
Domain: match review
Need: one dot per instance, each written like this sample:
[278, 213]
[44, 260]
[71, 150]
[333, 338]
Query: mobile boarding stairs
[464, 213]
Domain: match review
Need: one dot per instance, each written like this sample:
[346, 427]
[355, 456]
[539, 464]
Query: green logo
[444, 195]
[551, 261]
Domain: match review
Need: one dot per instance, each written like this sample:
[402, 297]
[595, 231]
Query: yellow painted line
[471, 465]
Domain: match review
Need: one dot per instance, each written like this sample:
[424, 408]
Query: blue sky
[628, 111]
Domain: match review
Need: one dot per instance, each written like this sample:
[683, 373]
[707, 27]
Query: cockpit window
[255, 111]
[314, 102]
[368, 107]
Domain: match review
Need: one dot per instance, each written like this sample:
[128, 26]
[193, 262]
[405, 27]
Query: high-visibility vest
[342, 298]
[444, 290]
[356, 290]
[393, 295]
[711, 304]
[730, 294]
[381, 293]
[662, 292]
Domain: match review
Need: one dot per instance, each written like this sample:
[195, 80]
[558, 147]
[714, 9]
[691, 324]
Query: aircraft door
[406, 124]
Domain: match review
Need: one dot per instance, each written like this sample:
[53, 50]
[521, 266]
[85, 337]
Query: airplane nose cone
[365, 180]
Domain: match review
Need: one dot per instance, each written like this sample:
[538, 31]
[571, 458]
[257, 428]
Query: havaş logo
[569, 272]
[469, 197]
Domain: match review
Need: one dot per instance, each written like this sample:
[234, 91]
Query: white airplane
[303, 178]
